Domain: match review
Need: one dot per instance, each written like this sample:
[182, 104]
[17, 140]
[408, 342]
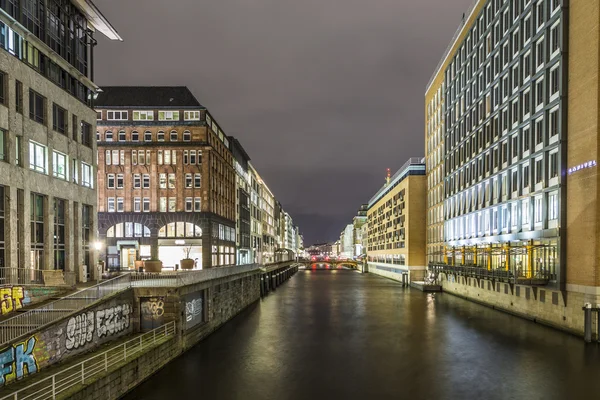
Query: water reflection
[357, 336]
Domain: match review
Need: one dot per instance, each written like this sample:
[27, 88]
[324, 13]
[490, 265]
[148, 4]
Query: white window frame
[56, 155]
[137, 181]
[191, 115]
[38, 157]
[117, 115]
[166, 115]
[120, 204]
[87, 175]
[143, 115]
[110, 205]
[109, 178]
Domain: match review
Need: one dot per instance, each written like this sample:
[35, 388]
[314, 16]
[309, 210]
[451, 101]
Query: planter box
[187, 263]
[152, 266]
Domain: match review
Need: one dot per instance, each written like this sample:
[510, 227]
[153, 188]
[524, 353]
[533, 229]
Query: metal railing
[21, 276]
[183, 278]
[79, 374]
[518, 275]
[30, 321]
[30, 276]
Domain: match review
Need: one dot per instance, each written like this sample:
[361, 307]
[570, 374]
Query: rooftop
[414, 164]
[96, 19]
[146, 97]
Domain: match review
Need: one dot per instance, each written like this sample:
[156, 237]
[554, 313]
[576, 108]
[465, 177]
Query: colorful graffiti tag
[79, 333]
[18, 361]
[13, 298]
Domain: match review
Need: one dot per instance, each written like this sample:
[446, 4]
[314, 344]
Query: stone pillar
[70, 259]
[11, 238]
[25, 239]
[49, 232]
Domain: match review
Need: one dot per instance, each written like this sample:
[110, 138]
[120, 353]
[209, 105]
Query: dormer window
[143, 115]
[116, 115]
[168, 115]
[191, 115]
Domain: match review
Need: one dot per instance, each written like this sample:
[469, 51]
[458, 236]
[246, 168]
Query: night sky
[324, 95]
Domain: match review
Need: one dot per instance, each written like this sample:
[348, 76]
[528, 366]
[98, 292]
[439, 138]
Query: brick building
[166, 179]
[47, 149]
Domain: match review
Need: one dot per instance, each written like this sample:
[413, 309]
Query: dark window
[37, 107]
[86, 134]
[19, 96]
[59, 119]
[3, 81]
[74, 127]
[3, 145]
[553, 165]
[59, 234]
[86, 222]
[37, 230]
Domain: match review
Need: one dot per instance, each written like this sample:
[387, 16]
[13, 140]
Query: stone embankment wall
[547, 306]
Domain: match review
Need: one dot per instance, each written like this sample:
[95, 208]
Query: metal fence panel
[32, 320]
[78, 374]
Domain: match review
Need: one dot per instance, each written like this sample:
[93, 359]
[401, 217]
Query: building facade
[166, 179]
[520, 128]
[503, 111]
[47, 147]
[269, 240]
[242, 202]
[256, 216]
[358, 222]
[396, 232]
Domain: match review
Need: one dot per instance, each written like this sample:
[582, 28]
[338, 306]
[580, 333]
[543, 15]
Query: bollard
[587, 322]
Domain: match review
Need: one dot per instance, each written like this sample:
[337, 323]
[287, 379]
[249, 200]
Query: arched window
[108, 137]
[160, 136]
[174, 136]
[187, 136]
[97, 136]
[122, 136]
[128, 230]
[147, 136]
[180, 229]
[135, 136]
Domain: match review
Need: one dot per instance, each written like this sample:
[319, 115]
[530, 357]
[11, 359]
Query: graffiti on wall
[80, 330]
[79, 333]
[113, 320]
[153, 307]
[153, 311]
[13, 299]
[193, 309]
[18, 361]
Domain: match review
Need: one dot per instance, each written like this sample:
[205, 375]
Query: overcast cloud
[324, 95]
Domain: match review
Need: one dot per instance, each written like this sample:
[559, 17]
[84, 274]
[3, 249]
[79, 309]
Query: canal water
[346, 335]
